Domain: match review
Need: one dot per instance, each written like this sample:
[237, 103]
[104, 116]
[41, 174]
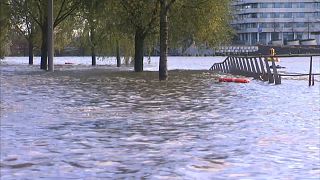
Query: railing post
[231, 65]
[236, 65]
[225, 66]
[270, 77]
[245, 66]
[249, 66]
[257, 65]
[252, 66]
[275, 72]
[241, 66]
[264, 75]
[228, 65]
[310, 72]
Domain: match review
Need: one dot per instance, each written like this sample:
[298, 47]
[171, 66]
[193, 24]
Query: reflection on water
[107, 124]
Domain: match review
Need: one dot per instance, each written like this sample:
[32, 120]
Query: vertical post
[310, 71]
[234, 65]
[312, 80]
[248, 66]
[50, 36]
[237, 65]
[245, 68]
[257, 66]
[240, 66]
[225, 62]
[253, 67]
[270, 77]
[275, 72]
[263, 71]
[233, 68]
[228, 65]
[118, 54]
[223, 67]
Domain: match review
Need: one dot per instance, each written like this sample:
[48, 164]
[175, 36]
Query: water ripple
[106, 124]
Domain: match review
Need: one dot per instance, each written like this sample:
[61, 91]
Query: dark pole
[308, 27]
[50, 36]
[310, 71]
[118, 54]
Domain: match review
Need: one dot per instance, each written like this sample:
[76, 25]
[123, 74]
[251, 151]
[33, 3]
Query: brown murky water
[105, 124]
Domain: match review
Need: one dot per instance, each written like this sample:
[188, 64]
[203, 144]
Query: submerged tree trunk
[30, 52]
[93, 56]
[93, 46]
[118, 54]
[163, 70]
[44, 50]
[138, 50]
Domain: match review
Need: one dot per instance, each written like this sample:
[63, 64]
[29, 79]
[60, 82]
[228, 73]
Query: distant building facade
[276, 21]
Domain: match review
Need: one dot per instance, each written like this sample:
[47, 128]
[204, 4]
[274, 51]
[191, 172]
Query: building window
[299, 35]
[300, 24]
[287, 25]
[276, 15]
[265, 5]
[299, 15]
[288, 36]
[275, 36]
[287, 15]
[277, 5]
[298, 5]
[275, 25]
[263, 38]
[288, 5]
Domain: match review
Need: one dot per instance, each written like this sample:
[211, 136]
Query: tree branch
[67, 13]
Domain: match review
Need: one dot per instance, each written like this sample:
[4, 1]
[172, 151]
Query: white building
[267, 21]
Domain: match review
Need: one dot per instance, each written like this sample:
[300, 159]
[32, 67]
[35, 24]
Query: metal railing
[258, 67]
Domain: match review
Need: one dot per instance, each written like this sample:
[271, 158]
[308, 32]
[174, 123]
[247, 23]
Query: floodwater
[107, 123]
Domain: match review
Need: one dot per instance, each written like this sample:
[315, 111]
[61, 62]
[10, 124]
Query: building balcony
[276, 20]
[275, 10]
[242, 2]
[271, 30]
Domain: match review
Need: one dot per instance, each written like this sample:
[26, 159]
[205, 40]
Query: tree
[4, 27]
[95, 16]
[37, 10]
[165, 6]
[141, 17]
[23, 24]
[208, 22]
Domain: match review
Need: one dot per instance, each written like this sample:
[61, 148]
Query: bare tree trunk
[93, 47]
[163, 70]
[138, 51]
[44, 48]
[50, 37]
[30, 51]
[118, 54]
[93, 56]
